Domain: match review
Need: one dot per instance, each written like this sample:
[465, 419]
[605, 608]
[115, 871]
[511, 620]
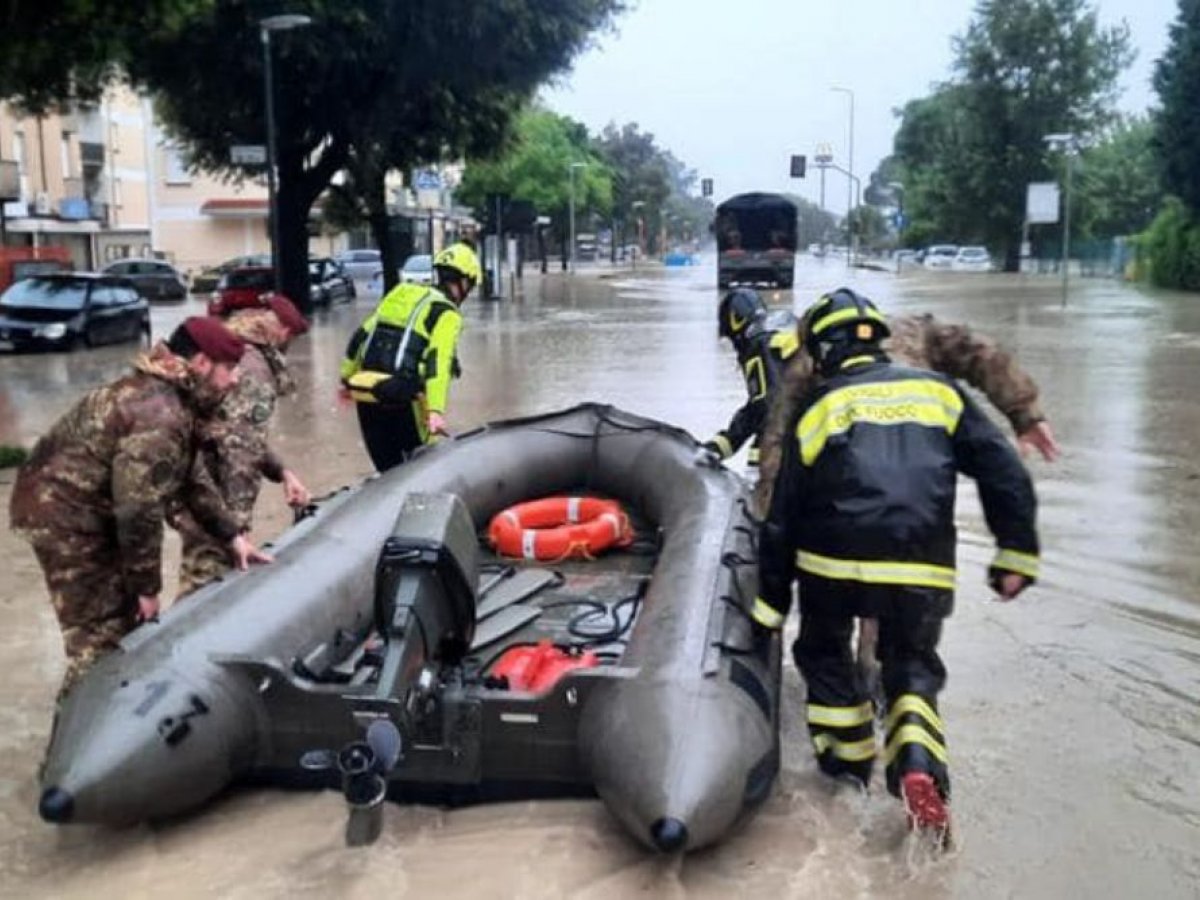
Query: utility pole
[850, 181]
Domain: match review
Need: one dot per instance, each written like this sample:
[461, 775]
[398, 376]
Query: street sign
[706, 187]
[899, 220]
[824, 154]
[248, 155]
[1041, 203]
[427, 180]
[798, 165]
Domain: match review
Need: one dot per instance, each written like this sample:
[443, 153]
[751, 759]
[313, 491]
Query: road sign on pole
[248, 155]
[1041, 203]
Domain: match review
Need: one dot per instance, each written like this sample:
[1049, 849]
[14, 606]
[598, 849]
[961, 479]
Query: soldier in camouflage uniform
[926, 343]
[233, 449]
[93, 496]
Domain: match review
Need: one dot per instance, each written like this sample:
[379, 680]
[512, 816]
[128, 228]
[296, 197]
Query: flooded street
[1073, 715]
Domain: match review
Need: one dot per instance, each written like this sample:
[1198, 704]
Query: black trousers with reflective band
[389, 432]
[910, 626]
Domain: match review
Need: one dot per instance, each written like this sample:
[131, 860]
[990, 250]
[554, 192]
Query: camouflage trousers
[206, 558]
[83, 575]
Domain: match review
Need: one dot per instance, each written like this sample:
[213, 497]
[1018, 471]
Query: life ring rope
[553, 529]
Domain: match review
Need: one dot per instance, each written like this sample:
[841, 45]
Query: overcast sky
[733, 88]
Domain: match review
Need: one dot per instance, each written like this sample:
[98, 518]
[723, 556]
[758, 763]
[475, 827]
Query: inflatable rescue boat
[389, 653]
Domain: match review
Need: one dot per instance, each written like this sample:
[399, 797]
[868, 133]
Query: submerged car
[243, 288]
[972, 259]
[941, 256]
[153, 278]
[329, 282]
[62, 311]
[205, 281]
[417, 269]
[360, 264]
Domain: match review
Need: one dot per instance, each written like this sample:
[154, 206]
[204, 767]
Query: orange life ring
[556, 528]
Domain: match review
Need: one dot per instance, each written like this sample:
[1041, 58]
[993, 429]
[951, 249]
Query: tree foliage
[58, 53]
[537, 168]
[1177, 81]
[642, 175]
[1117, 183]
[813, 224]
[1023, 69]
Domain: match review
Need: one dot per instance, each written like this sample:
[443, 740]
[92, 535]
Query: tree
[1117, 183]
[1024, 69]
[1177, 127]
[372, 84]
[641, 175]
[62, 53]
[537, 168]
[813, 224]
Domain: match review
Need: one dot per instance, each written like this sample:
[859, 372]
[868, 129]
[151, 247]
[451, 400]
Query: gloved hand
[708, 454]
[1007, 585]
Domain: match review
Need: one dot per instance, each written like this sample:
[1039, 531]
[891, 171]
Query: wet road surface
[1073, 715]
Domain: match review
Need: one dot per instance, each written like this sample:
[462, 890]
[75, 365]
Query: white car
[417, 269]
[360, 264]
[816, 250]
[941, 256]
[972, 259]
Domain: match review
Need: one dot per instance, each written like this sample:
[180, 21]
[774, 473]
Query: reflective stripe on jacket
[762, 362]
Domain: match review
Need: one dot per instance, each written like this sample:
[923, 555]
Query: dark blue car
[63, 311]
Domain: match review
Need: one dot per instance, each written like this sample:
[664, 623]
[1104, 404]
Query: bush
[12, 456]
[1170, 248]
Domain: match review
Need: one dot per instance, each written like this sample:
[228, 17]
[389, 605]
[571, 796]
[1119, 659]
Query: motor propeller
[365, 766]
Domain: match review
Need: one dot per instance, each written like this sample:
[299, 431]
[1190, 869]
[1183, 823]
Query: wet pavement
[1073, 715]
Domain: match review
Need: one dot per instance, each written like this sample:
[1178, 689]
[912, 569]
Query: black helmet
[740, 310]
[842, 319]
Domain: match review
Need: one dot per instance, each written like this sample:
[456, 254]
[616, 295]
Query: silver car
[360, 264]
[941, 256]
[417, 269]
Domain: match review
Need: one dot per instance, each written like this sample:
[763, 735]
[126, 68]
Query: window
[177, 166]
[68, 170]
[103, 296]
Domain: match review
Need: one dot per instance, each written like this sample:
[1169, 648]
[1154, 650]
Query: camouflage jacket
[113, 466]
[922, 342]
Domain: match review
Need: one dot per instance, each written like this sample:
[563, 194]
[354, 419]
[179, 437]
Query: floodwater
[1073, 714]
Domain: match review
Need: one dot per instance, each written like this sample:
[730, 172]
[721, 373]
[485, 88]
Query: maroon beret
[286, 312]
[214, 340]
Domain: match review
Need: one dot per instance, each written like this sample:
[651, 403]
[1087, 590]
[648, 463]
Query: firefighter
[762, 355]
[399, 362]
[862, 517]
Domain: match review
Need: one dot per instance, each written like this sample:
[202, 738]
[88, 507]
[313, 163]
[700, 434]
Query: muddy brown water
[1073, 715]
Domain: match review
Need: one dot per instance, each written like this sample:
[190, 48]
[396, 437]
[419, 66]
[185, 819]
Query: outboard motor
[425, 583]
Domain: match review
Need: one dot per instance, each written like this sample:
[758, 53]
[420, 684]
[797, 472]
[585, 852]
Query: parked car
[60, 311]
[241, 288]
[205, 281]
[154, 279]
[816, 249]
[940, 256]
[329, 282]
[417, 269]
[360, 264]
[972, 259]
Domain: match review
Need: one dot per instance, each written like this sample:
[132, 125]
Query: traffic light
[798, 165]
[706, 187]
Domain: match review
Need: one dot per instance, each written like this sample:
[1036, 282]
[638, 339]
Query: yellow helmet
[461, 259]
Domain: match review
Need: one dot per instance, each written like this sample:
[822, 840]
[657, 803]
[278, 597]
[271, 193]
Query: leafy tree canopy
[1177, 128]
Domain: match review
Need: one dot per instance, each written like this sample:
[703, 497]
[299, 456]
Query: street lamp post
[636, 207]
[1069, 144]
[571, 248]
[265, 27]
[850, 181]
